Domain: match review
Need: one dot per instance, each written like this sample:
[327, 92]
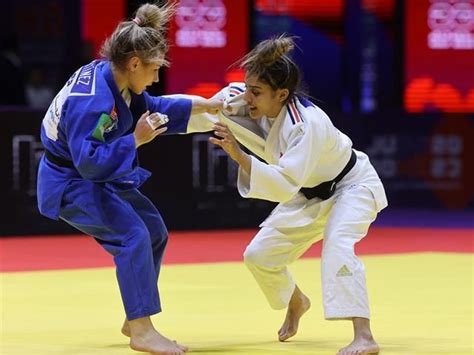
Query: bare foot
[155, 343]
[182, 347]
[126, 332]
[145, 338]
[299, 305]
[126, 328]
[363, 343]
[360, 346]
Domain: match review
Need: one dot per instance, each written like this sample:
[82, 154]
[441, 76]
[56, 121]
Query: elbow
[90, 169]
[90, 172]
[282, 193]
[288, 189]
[286, 196]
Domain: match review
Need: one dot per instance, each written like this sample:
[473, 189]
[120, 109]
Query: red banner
[439, 55]
[207, 36]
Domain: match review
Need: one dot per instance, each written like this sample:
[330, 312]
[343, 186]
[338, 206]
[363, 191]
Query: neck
[275, 112]
[119, 78]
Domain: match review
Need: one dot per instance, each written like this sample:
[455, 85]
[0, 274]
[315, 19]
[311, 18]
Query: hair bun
[154, 16]
[270, 63]
[273, 49]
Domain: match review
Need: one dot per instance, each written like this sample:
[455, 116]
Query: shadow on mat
[117, 346]
[267, 347]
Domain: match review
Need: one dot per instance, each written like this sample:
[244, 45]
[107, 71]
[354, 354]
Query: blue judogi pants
[129, 227]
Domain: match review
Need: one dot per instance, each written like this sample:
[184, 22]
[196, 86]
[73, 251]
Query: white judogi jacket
[299, 148]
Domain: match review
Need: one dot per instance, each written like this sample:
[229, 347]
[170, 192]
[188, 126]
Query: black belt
[58, 160]
[326, 189]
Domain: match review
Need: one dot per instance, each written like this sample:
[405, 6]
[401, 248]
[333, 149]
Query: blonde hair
[269, 61]
[144, 36]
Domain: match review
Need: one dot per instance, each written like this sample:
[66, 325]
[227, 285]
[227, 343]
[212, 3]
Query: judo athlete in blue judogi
[89, 176]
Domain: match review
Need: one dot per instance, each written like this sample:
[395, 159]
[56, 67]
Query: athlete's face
[262, 99]
[141, 75]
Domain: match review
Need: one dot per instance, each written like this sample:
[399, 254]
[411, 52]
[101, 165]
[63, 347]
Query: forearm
[244, 161]
[267, 182]
[105, 162]
[202, 105]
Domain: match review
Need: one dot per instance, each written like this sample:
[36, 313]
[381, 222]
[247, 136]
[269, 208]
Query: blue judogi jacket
[90, 124]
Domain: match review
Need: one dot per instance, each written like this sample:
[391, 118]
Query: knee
[160, 238]
[158, 233]
[251, 255]
[329, 248]
[138, 238]
[254, 256]
[335, 247]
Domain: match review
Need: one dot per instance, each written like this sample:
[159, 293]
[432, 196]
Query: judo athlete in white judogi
[325, 190]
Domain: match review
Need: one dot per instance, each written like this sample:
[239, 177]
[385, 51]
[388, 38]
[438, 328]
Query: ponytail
[144, 36]
[269, 61]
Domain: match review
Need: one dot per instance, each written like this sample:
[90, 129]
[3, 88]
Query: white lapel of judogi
[235, 116]
[273, 141]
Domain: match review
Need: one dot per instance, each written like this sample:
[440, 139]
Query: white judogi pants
[344, 221]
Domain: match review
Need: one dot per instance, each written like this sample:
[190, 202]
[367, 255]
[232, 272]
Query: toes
[181, 347]
[284, 336]
[283, 331]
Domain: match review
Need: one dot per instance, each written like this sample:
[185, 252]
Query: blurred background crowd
[396, 75]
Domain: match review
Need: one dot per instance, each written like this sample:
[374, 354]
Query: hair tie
[137, 21]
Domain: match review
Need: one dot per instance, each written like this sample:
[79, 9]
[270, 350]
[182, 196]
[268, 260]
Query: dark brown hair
[144, 36]
[269, 61]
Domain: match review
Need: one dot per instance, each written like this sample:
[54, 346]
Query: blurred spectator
[12, 90]
[38, 94]
[87, 52]
[85, 55]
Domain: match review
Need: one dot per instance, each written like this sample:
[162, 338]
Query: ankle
[364, 335]
[362, 329]
[140, 326]
[297, 297]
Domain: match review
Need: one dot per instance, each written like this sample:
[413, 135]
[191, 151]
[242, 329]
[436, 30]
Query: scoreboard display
[206, 37]
[439, 56]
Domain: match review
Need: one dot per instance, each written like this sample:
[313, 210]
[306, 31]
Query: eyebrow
[157, 64]
[253, 86]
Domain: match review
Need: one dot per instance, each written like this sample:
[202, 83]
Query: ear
[133, 63]
[283, 95]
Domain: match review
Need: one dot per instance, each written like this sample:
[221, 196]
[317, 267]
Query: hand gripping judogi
[325, 190]
[89, 176]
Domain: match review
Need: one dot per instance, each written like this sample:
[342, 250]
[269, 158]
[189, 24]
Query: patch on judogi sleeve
[105, 124]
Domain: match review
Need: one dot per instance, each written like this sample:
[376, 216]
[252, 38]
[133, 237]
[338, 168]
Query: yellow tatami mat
[421, 303]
